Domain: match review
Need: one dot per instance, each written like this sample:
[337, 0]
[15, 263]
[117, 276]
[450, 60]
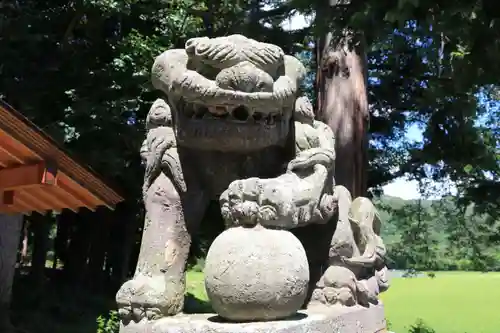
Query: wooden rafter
[36, 174]
[25, 176]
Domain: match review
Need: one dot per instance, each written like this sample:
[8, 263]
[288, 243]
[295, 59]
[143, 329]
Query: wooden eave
[36, 175]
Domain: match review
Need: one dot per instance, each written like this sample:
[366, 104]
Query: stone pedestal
[319, 319]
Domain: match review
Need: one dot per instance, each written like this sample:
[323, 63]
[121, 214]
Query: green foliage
[420, 327]
[109, 323]
[425, 72]
[416, 247]
[437, 235]
[200, 265]
[81, 72]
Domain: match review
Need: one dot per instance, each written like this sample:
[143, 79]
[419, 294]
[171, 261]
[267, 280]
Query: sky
[400, 187]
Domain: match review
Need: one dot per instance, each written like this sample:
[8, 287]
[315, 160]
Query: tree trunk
[10, 232]
[122, 243]
[98, 249]
[24, 249]
[64, 221]
[78, 250]
[342, 103]
[41, 228]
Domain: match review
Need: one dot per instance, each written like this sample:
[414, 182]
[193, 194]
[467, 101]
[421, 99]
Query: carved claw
[334, 295]
[124, 299]
[344, 259]
[327, 207]
[124, 313]
[148, 297]
[318, 296]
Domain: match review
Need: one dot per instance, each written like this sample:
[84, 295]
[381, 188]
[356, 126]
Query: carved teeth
[258, 116]
[237, 114]
[271, 119]
[218, 110]
[200, 111]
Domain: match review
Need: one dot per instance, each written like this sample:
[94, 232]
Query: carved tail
[309, 158]
[153, 164]
[171, 161]
[364, 215]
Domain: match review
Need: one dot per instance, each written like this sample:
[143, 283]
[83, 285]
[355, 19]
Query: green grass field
[456, 302]
[452, 302]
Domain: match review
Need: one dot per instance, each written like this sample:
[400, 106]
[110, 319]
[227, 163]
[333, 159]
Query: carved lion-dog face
[229, 93]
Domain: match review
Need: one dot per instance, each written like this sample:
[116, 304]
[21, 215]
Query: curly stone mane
[224, 52]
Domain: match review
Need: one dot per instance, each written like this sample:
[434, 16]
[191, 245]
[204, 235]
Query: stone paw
[331, 296]
[149, 298]
[318, 296]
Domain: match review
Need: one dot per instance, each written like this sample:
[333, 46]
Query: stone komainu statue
[231, 127]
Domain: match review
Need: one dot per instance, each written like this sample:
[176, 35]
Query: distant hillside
[436, 233]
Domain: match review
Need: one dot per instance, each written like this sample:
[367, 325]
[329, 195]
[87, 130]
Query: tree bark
[78, 249]
[98, 249]
[24, 248]
[342, 103]
[10, 232]
[64, 221]
[41, 228]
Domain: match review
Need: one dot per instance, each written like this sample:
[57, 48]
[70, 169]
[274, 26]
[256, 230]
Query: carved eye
[330, 69]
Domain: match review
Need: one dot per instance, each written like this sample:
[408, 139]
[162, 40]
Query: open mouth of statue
[229, 127]
[230, 113]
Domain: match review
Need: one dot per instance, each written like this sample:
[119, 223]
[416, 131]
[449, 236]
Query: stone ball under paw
[256, 274]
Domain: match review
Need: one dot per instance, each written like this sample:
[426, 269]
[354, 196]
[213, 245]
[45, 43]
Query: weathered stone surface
[357, 273]
[334, 319]
[232, 126]
[255, 274]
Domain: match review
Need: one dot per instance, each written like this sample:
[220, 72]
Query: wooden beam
[8, 198]
[87, 193]
[16, 202]
[7, 203]
[68, 185]
[25, 207]
[31, 200]
[59, 203]
[77, 197]
[10, 152]
[25, 176]
[69, 202]
[5, 209]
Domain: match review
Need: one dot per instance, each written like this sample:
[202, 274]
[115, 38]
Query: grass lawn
[195, 285]
[452, 302]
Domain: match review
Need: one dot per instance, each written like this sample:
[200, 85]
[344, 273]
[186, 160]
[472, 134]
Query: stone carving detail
[160, 137]
[356, 271]
[271, 285]
[300, 196]
[231, 127]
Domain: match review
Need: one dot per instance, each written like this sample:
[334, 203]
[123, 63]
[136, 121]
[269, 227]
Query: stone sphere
[256, 274]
